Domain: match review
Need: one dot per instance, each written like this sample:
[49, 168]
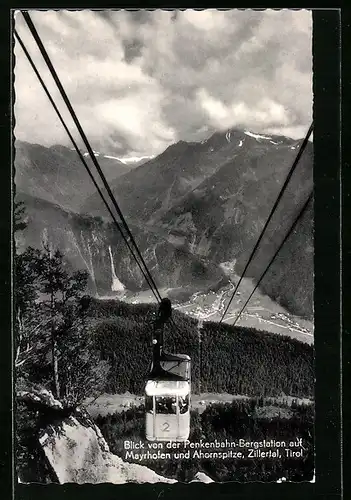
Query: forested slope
[229, 359]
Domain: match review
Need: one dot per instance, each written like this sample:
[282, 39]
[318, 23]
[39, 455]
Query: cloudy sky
[142, 80]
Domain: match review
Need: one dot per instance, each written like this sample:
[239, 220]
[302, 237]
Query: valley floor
[262, 312]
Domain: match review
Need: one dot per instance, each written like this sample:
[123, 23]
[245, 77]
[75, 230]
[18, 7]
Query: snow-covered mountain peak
[96, 153]
[126, 160]
[133, 159]
[256, 136]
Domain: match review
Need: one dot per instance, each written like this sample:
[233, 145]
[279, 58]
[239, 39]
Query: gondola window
[149, 404]
[183, 404]
[166, 405]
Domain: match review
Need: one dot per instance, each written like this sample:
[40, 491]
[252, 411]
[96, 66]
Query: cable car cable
[292, 227]
[287, 180]
[85, 140]
[69, 106]
[30, 60]
[90, 151]
[169, 376]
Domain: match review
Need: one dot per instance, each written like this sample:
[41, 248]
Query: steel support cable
[287, 180]
[292, 227]
[31, 62]
[84, 138]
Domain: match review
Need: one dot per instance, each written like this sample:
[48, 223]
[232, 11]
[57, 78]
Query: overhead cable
[302, 211]
[287, 180]
[84, 138]
[30, 60]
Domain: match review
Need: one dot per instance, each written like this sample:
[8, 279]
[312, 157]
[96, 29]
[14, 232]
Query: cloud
[141, 80]
[240, 114]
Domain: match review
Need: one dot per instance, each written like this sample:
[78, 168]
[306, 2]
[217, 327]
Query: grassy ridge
[229, 359]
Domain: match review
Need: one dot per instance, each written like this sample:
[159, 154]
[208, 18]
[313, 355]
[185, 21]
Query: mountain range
[193, 209]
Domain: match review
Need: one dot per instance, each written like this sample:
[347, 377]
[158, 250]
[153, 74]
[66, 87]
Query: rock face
[192, 208]
[97, 246]
[79, 454]
[76, 449]
[201, 477]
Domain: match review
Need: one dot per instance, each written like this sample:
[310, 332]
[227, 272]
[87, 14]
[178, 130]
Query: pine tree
[59, 290]
[19, 210]
[51, 328]
[26, 293]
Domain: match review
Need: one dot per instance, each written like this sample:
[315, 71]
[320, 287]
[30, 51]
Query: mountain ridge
[56, 173]
[202, 204]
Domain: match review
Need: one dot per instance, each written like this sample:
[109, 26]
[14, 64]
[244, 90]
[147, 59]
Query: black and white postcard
[163, 320]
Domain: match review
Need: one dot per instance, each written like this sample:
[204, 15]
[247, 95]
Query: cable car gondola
[167, 390]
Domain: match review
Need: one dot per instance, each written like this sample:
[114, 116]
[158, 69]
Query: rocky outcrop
[77, 452]
[201, 477]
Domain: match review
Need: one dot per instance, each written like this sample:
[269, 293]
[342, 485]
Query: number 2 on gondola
[165, 427]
